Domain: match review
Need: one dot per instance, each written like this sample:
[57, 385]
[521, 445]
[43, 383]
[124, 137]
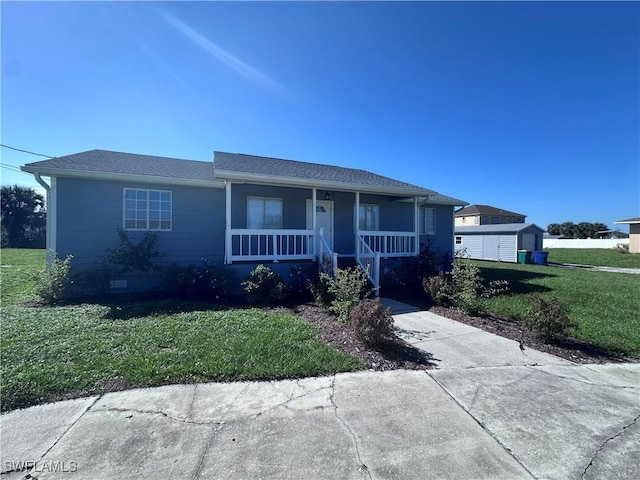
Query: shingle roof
[500, 228]
[485, 210]
[629, 220]
[108, 162]
[237, 165]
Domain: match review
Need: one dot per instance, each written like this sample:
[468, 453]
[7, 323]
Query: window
[264, 213]
[147, 209]
[427, 221]
[369, 217]
[458, 240]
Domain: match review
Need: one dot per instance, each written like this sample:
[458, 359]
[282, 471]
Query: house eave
[319, 184]
[111, 176]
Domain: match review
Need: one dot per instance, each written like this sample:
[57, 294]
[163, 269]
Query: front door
[324, 219]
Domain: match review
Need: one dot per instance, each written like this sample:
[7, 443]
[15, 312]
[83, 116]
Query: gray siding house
[239, 210]
[498, 242]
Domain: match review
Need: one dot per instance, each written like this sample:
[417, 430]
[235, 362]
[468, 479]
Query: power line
[11, 167]
[25, 151]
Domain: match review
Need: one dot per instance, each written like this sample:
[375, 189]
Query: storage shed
[498, 242]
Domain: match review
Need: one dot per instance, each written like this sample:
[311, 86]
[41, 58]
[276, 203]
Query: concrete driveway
[484, 412]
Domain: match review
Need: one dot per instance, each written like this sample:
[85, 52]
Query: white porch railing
[327, 257]
[253, 245]
[390, 244]
[369, 261]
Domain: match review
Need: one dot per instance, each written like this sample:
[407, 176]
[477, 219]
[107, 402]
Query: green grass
[604, 257]
[605, 305]
[61, 352]
[17, 268]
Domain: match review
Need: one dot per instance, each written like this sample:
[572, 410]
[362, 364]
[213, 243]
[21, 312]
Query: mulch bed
[397, 353]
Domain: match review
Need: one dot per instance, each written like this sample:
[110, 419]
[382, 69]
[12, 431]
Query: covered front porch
[271, 223]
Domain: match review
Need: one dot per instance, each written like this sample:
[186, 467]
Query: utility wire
[11, 167]
[25, 151]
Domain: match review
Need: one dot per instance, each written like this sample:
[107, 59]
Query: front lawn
[51, 353]
[603, 257]
[606, 306]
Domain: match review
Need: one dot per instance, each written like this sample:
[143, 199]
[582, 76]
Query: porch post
[227, 238]
[416, 224]
[314, 220]
[356, 227]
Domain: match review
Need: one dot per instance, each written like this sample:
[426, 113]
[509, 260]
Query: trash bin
[524, 256]
[540, 258]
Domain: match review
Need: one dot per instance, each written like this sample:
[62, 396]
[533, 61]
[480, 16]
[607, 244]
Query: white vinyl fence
[579, 243]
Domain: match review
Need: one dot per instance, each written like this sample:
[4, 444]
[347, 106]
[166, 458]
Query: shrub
[131, 256]
[95, 279]
[371, 323]
[264, 286]
[302, 279]
[348, 287]
[53, 285]
[548, 318]
[463, 288]
[405, 277]
[321, 290]
[213, 282]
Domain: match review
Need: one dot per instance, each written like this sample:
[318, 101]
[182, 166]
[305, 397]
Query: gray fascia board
[310, 183]
[59, 172]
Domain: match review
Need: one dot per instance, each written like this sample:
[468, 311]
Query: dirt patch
[391, 355]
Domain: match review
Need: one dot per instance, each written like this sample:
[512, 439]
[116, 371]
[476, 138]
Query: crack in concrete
[28, 475]
[621, 432]
[215, 432]
[362, 467]
[159, 413]
[586, 382]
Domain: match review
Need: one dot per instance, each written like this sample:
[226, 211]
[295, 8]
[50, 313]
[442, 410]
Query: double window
[369, 217]
[147, 209]
[264, 213]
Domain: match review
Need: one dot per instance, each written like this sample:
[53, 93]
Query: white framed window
[427, 221]
[369, 217]
[264, 213]
[458, 239]
[147, 209]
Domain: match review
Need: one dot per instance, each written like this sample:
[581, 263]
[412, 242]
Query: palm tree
[23, 217]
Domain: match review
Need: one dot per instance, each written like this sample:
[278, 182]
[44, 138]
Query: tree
[554, 229]
[568, 229]
[23, 217]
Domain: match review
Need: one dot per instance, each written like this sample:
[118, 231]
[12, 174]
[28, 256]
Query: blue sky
[530, 107]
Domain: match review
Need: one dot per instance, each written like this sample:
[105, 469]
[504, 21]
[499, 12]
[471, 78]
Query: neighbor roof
[108, 164]
[500, 228]
[629, 220]
[485, 210]
[238, 166]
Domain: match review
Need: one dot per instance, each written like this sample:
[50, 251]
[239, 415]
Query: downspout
[50, 218]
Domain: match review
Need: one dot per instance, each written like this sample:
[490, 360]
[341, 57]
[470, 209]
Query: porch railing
[369, 261]
[327, 257]
[255, 245]
[391, 244]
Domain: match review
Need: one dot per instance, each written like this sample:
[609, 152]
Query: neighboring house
[634, 233]
[240, 210]
[498, 242]
[611, 234]
[476, 215]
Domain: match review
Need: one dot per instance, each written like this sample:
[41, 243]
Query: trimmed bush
[548, 318]
[264, 287]
[349, 286]
[371, 322]
[53, 285]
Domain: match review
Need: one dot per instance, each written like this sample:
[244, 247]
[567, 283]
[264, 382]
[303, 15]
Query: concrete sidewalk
[483, 412]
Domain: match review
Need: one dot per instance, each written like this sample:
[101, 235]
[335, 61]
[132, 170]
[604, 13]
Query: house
[240, 210]
[475, 215]
[498, 242]
[634, 233]
[611, 234]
